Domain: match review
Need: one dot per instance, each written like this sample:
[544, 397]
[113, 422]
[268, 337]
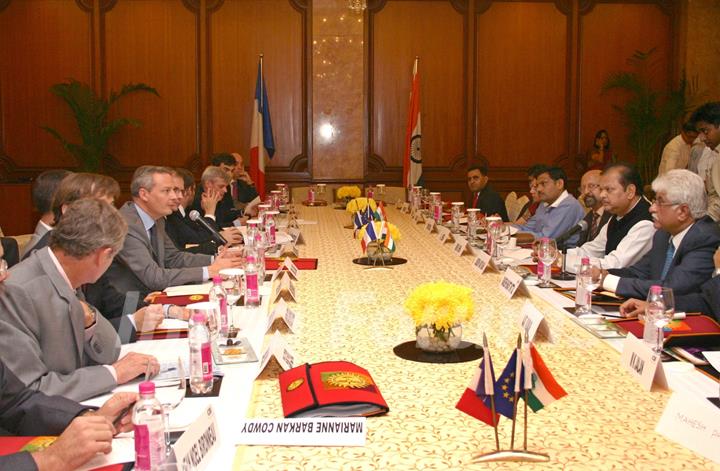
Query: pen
[122, 413]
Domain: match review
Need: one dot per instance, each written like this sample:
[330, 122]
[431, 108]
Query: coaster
[388, 263]
[468, 351]
[217, 382]
[315, 203]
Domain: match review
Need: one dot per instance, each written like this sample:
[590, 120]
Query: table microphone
[216, 237]
[581, 226]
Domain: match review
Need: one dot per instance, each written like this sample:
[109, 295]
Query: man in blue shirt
[559, 210]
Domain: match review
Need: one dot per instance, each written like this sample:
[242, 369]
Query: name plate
[460, 246]
[643, 363]
[693, 423]
[198, 443]
[284, 285]
[483, 261]
[348, 431]
[278, 350]
[291, 268]
[430, 225]
[418, 217]
[404, 207]
[443, 234]
[289, 249]
[296, 235]
[511, 283]
[532, 321]
[281, 311]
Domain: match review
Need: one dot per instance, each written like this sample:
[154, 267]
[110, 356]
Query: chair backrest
[513, 205]
[393, 194]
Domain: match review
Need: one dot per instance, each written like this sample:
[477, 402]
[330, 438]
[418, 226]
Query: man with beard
[590, 196]
[628, 234]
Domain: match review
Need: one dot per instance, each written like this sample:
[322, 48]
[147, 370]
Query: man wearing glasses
[683, 246]
[596, 217]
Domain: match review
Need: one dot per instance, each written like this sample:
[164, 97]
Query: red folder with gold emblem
[330, 389]
[180, 300]
[9, 445]
[693, 331]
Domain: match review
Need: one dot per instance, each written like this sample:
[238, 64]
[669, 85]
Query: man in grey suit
[149, 261]
[43, 190]
[682, 250]
[54, 341]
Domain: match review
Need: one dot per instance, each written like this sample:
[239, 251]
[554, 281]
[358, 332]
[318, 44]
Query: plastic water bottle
[584, 277]
[149, 423]
[252, 290]
[218, 295]
[270, 230]
[251, 234]
[201, 372]
[655, 309]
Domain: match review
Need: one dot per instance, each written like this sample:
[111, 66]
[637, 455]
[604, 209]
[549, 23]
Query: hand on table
[84, 438]
[114, 406]
[225, 259]
[148, 317]
[133, 365]
[632, 308]
[232, 235]
[151, 296]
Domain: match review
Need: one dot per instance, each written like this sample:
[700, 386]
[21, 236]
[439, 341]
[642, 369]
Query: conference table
[348, 312]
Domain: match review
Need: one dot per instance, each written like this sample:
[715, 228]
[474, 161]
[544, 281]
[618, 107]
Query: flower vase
[433, 339]
[377, 252]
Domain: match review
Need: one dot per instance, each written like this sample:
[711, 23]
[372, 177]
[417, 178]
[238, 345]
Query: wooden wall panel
[276, 30]
[609, 34]
[522, 88]
[434, 31]
[42, 42]
[155, 42]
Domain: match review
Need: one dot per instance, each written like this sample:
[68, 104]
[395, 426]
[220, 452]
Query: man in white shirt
[707, 121]
[676, 153]
[628, 235]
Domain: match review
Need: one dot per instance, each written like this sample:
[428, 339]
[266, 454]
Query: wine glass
[659, 312]
[472, 225]
[588, 280]
[457, 208]
[547, 253]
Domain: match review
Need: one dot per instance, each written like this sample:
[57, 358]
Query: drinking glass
[660, 311]
[589, 280]
[547, 253]
[473, 223]
[457, 209]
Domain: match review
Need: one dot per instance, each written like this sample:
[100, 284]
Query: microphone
[581, 226]
[215, 235]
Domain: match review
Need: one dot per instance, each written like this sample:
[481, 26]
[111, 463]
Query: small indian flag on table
[545, 389]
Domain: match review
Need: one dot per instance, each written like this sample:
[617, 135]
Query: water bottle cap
[147, 387]
[251, 259]
[217, 279]
[656, 289]
[585, 261]
[198, 317]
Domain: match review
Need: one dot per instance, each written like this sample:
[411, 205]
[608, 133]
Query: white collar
[560, 199]
[678, 238]
[60, 268]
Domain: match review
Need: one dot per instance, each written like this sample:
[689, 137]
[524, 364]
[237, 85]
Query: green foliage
[650, 115]
[91, 115]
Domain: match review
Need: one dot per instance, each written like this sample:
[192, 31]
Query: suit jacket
[42, 329]
[225, 212]
[11, 252]
[245, 193]
[138, 268]
[706, 301]
[26, 412]
[585, 235]
[40, 230]
[691, 266]
[183, 231]
[489, 202]
[41, 243]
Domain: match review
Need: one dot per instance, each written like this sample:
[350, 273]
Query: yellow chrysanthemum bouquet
[360, 204]
[348, 192]
[439, 308]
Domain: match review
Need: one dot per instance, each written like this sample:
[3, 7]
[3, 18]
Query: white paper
[345, 431]
[187, 290]
[518, 254]
[693, 423]
[713, 358]
[195, 447]
[172, 324]
[532, 321]
[123, 451]
[643, 363]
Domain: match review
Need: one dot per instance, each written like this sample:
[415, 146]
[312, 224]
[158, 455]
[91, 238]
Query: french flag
[262, 144]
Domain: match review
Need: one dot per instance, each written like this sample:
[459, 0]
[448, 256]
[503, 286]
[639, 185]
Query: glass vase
[433, 339]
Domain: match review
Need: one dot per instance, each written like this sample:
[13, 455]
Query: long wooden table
[350, 313]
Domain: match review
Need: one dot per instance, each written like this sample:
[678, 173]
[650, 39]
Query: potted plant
[650, 115]
[91, 115]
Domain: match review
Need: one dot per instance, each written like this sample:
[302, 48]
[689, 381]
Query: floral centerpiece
[439, 308]
[381, 241]
[348, 192]
[360, 204]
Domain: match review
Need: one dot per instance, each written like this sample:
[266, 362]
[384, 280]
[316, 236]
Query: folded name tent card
[483, 261]
[461, 246]
[693, 423]
[533, 322]
[443, 234]
[512, 283]
[281, 312]
[279, 351]
[330, 389]
[346, 431]
[639, 359]
[284, 287]
[430, 224]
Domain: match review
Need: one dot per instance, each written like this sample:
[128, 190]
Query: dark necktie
[154, 241]
[594, 226]
[475, 200]
[668, 259]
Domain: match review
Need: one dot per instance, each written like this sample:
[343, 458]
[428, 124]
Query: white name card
[278, 349]
[291, 268]
[643, 363]
[430, 225]
[693, 423]
[296, 235]
[198, 443]
[405, 208]
[289, 249]
[443, 234]
[418, 217]
[532, 321]
[460, 246]
[281, 311]
[483, 261]
[511, 283]
[284, 285]
[348, 431]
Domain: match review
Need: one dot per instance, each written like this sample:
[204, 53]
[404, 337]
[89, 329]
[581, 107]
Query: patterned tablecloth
[350, 313]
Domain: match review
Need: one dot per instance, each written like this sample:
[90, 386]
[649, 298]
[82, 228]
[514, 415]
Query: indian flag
[545, 389]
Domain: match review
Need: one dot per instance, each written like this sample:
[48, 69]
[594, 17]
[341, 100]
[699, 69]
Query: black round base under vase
[370, 263]
[467, 351]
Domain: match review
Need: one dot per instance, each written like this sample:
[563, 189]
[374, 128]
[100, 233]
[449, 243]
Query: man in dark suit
[597, 216]
[52, 339]
[482, 195]
[215, 180]
[148, 260]
[682, 247]
[242, 188]
[83, 431]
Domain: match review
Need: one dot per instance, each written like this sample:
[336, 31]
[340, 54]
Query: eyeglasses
[661, 203]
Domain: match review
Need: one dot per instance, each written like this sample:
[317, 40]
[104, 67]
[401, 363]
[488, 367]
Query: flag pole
[262, 82]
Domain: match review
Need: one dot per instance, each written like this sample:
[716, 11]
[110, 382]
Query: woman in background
[600, 154]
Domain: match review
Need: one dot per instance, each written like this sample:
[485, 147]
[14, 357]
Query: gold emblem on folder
[295, 384]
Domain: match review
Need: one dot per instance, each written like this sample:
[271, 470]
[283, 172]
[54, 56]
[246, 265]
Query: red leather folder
[180, 300]
[301, 263]
[693, 331]
[330, 389]
[9, 445]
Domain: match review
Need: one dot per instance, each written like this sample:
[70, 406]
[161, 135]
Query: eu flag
[505, 387]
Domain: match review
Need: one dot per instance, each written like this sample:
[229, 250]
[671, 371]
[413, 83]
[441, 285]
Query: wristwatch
[716, 272]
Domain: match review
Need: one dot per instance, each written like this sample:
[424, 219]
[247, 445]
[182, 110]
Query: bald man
[596, 217]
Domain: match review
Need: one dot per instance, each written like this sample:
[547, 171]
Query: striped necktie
[668, 258]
